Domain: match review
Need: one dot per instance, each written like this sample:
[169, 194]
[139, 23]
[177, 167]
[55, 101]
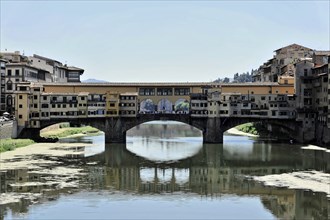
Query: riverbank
[64, 132]
[315, 181]
[56, 132]
[40, 166]
[235, 131]
[24, 157]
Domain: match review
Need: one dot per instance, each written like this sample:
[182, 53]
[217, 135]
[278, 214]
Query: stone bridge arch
[289, 126]
[34, 133]
[115, 128]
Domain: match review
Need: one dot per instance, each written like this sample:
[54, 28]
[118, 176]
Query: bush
[248, 128]
[12, 144]
[65, 125]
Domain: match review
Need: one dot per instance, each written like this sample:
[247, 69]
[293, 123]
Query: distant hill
[93, 81]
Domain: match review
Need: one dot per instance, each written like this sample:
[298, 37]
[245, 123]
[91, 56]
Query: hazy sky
[148, 41]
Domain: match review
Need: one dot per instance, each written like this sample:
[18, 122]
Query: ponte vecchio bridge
[117, 107]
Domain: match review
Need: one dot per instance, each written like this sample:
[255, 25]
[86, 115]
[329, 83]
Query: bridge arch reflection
[164, 141]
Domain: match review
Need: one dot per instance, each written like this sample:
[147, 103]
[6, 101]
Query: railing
[63, 101]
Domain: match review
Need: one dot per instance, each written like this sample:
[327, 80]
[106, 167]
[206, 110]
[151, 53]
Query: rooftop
[322, 52]
[26, 65]
[114, 84]
[45, 58]
[292, 45]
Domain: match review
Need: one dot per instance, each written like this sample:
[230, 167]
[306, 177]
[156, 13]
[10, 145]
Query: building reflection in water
[213, 171]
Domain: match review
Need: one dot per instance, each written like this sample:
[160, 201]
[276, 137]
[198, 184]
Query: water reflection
[126, 175]
[97, 144]
[164, 142]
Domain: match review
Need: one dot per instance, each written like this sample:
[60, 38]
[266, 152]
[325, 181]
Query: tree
[226, 80]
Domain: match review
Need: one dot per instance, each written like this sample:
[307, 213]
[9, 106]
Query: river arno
[165, 172]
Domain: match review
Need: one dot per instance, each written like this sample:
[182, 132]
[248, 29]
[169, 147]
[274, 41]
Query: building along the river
[294, 84]
[309, 71]
[17, 68]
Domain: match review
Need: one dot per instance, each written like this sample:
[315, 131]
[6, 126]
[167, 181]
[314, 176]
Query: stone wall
[322, 134]
[6, 129]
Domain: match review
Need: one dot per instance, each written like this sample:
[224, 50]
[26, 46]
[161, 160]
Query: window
[20, 106]
[8, 72]
[9, 100]
[20, 97]
[305, 72]
[147, 91]
[20, 116]
[9, 85]
[164, 91]
[181, 91]
[16, 72]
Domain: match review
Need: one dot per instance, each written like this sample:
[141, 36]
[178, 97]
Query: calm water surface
[166, 172]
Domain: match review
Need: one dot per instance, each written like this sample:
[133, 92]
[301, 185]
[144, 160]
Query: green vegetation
[64, 125]
[12, 144]
[248, 128]
[65, 131]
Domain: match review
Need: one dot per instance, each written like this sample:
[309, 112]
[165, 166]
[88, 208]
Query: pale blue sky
[149, 41]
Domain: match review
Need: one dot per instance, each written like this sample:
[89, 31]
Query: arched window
[9, 100]
[9, 85]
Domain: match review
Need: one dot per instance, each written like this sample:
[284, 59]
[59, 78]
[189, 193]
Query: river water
[166, 172]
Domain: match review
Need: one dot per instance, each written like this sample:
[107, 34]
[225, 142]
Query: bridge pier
[113, 130]
[213, 132]
[31, 133]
